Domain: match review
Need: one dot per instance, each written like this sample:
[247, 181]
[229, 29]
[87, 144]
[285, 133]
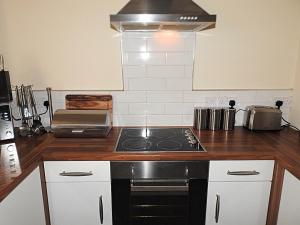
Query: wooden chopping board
[89, 102]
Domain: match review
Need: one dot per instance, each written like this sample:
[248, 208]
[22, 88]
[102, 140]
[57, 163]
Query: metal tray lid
[64, 118]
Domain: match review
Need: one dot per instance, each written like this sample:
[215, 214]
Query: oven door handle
[159, 185]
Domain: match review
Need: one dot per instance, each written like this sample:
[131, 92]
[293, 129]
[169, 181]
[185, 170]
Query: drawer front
[241, 170]
[77, 171]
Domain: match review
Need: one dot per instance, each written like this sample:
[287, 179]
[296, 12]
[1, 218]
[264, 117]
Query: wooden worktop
[242, 144]
[238, 144]
[26, 155]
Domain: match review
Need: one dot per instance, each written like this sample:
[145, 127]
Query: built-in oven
[159, 192]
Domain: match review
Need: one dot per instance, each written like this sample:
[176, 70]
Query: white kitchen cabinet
[235, 197]
[79, 193]
[24, 205]
[290, 201]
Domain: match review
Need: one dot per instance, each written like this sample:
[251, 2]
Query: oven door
[159, 202]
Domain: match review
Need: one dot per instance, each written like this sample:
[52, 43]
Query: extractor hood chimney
[155, 15]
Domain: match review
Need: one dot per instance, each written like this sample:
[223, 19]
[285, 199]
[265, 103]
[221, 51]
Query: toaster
[262, 118]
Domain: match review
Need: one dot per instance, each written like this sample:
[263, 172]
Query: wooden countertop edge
[4, 192]
[289, 164]
[30, 163]
[91, 156]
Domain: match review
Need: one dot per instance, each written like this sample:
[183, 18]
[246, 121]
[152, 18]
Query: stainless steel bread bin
[81, 123]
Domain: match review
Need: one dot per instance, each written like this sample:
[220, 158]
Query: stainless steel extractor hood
[154, 15]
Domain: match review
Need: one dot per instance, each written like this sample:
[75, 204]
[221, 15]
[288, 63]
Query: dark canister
[200, 118]
[215, 118]
[228, 118]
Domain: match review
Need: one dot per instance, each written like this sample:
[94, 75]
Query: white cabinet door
[240, 203]
[24, 206]
[80, 203]
[290, 201]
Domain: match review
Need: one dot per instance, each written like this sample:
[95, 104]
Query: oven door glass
[159, 202]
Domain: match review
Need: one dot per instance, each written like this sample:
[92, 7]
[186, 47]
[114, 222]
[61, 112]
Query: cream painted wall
[253, 47]
[295, 110]
[68, 44]
[64, 44]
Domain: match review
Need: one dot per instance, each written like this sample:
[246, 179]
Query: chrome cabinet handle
[217, 210]
[243, 173]
[76, 174]
[101, 209]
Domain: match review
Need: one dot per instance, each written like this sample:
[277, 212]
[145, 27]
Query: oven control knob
[193, 142]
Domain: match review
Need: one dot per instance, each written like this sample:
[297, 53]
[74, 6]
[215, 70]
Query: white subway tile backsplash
[188, 71]
[187, 120]
[129, 96]
[188, 108]
[165, 71]
[179, 84]
[147, 84]
[164, 96]
[155, 59]
[198, 96]
[129, 120]
[189, 43]
[182, 58]
[187, 34]
[174, 108]
[140, 108]
[165, 44]
[211, 102]
[134, 44]
[273, 96]
[239, 118]
[146, 108]
[164, 120]
[134, 71]
[121, 108]
[125, 84]
[144, 58]
[243, 96]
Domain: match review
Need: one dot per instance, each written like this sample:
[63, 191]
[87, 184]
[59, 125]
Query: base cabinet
[79, 192]
[238, 192]
[24, 205]
[290, 201]
[79, 203]
[231, 203]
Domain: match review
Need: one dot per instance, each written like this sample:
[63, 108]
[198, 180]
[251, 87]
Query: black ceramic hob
[158, 139]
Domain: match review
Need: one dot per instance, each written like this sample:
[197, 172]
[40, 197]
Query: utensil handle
[48, 89]
[32, 102]
[1, 63]
[18, 101]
